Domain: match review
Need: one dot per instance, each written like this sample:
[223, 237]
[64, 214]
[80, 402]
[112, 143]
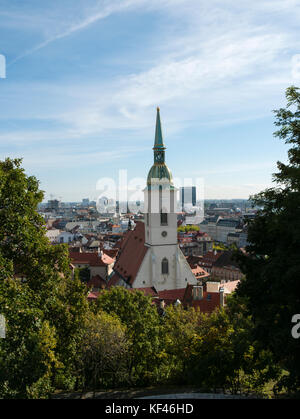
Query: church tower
[149, 255]
[160, 197]
[167, 267]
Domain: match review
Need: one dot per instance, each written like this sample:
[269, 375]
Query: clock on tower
[159, 157]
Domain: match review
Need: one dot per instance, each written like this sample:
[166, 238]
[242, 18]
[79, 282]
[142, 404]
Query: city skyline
[83, 81]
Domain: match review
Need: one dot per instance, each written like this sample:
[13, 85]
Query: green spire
[159, 143]
[159, 170]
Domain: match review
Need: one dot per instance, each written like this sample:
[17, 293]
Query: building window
[163, 219]
[165, 266]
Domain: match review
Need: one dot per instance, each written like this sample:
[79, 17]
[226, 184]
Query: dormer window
[163, 219]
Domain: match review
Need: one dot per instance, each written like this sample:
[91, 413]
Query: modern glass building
[187, 196]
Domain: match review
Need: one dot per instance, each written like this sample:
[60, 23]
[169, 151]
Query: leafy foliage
[84, 274]
[272, 268]
[142, 322]
[42, 304]
[225, 356]
[102, 356]
[56, 340]
[179, 331]
[188, 228]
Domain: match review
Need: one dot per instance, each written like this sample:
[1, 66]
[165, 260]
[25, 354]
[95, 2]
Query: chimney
[197, 292]
[222, 297]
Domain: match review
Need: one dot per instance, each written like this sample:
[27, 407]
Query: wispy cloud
[106, 9]
[67, 158]
[205, 63]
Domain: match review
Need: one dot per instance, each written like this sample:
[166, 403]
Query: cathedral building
[149, 255]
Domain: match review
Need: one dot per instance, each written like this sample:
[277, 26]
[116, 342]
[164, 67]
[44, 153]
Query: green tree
[27, 354]
[188, 228]
[103, 351]
[48, 294]
[179, 331]
[84, 274]
[142, 322]
[272, 266]
[225, 356]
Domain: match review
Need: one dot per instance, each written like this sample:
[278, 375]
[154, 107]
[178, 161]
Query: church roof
[131, 254]
[158, 142]
[159, 170]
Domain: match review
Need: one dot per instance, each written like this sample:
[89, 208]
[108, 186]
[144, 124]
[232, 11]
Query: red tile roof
[111, 252]
[209, 258]
[132, 252]
[91, 259]
[196, 269]
[96, 282]
[107, 259]
[225, 259]
[113, 281]
[170, 296]
[205, 305]
[199, 272]
[148, 291]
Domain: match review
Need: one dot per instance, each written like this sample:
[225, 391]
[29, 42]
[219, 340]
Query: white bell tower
[167, 266]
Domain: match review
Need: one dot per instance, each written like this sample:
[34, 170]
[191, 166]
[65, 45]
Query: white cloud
[71, 157]
[209, 63]
[102, 11]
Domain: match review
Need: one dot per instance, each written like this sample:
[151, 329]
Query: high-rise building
[53, 205]
[85, 202]
[187, 196]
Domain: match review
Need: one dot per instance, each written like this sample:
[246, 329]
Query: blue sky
[84, 77]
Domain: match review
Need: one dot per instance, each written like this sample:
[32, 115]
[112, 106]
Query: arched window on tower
[165, 266]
